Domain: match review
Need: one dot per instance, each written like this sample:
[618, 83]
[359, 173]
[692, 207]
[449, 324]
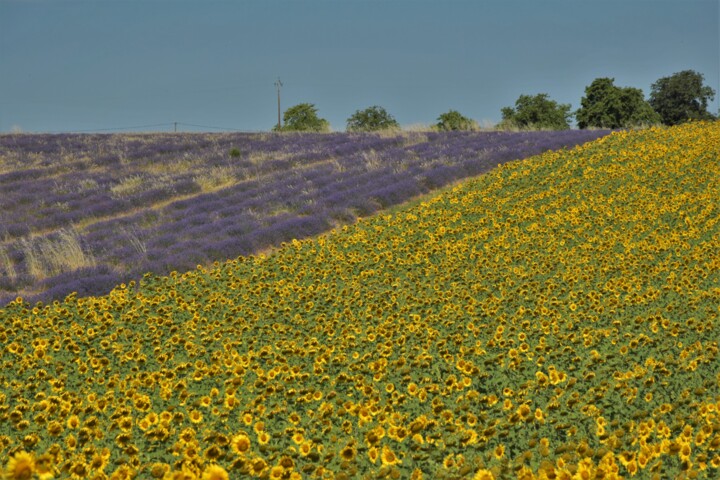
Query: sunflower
[125, 423]
[212, 453]
[372, 437]
[158, 470]
[20, 467]
[305, 448]
[258, 467]
[499, 451]
[364, 414]
[259, 427]
[388, 457]
[180, 475]
[524, 411]
[276, 472]
[187, 435]
[240, 443]
[263, 438]
[348, 453]
[247, 419]
[98, 462]
[55, 428]
[195, 416]
[143, 424]
[44, 466]
[373, 454]
[294, 418]
[215, 472]
[484, 474]
[73, 422]
[685, 452]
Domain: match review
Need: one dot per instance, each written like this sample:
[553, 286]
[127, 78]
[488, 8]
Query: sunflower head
[20, 467]
[348, 453]
[388, 457]
[215, 472]
[240, 443]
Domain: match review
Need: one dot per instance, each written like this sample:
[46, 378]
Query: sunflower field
[555, 318]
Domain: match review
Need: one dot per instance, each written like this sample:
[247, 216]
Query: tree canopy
[303, 118]
[371, 119]
[454, 120]
[681, 97]
[537, 111]
[608, 106]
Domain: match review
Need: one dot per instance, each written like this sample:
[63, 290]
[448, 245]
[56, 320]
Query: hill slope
[84, 213]
[557, 315]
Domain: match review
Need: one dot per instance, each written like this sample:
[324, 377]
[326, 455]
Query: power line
[210, 127]
[171, 126]
[136, 127]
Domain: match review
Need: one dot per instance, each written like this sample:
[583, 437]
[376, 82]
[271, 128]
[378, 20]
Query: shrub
[454, 120]
[681, 97]
[303, 118]
[371, 119]
[607, 106]
[536, 112]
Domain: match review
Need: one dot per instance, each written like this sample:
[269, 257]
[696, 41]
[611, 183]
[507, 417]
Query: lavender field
[82, 213]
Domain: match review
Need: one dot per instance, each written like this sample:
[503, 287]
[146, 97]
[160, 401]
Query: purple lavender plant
[138, 203]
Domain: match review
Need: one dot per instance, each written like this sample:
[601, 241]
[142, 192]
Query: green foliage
[527, 320]
[371, 119]
[608, 106]
[682, 97]
[454, 120]
[303, 118]
[537, 111]
[235, 153]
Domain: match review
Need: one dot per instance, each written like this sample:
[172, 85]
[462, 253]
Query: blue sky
[109, 64]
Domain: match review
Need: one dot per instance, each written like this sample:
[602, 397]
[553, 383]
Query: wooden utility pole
[278, 84]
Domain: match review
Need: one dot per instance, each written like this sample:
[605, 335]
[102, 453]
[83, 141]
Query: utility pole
[278, 84]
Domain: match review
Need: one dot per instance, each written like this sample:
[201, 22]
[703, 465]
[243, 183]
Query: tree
[303, 118]
[681, 97]
[454, 120]
[371, 119]
[537, 112]
[608, 106]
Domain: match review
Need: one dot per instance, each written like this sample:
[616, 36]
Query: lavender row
[141, 202]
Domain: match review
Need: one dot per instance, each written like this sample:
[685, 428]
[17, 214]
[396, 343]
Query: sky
[142, 65]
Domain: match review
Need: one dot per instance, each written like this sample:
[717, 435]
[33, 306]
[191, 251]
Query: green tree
[303, 118]
[682, 97]
[454, 120]
[537, 112]
[371, 119]
[608, 106]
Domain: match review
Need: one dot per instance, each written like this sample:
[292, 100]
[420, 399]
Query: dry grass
[372, 160]
[128, 186]
[215, 179]
[6, 265]
[47, 257]
[133, 236]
